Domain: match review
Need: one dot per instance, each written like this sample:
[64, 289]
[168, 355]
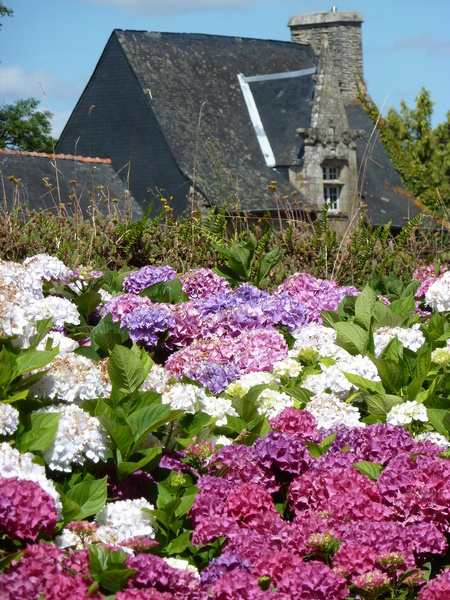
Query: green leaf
[245, 407]
[169, 292]
[71, 510]
[8, 367]
[114, 580]
[415, 386]
[90, 495]
[329, 317]
[364, 307]
[151, 457]
[403, 307]
[317, 450]
[5, 561]
[107, 334]
[125, 368]
[236, 424]
[40, 432]
[438, 418]
[179, 544]
[32, 359]
[87, 302]
[241, 259]
[390, 372]
[371, 469]
[352, 337]
[380, 404]
[365, 384]
[267, 263]
[121, 435]
[146, 420]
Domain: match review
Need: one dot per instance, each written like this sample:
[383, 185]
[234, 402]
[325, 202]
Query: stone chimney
[343, 30]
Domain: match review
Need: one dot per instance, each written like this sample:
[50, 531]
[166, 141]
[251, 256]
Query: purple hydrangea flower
[145, 324]
[282, 309]
[147, 276]
[213, 375]
[120, 306]
[221, 566]
[201, 283]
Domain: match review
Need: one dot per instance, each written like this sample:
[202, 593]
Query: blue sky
[406, 43]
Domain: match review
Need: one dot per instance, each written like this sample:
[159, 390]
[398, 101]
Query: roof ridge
[87, 159]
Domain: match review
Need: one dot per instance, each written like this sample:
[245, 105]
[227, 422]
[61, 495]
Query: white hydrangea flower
[437, 296]
[79, 436]
[123, 520]
[287, 368]
[73, 378]
[433, 436]
[218, 440]
[441, 356]
[58, 339]
[105, 296]
[46, 268]
[185, 397]
[17, 277]
[242, 385]
[330, 412]
[411, 338]
[407, 412]
[319, 338]
[15, 464]
[271, 403]
[61, 310]
[217, 407]
[14, 319]
[183, 565]
[9, 419]
[156, 380]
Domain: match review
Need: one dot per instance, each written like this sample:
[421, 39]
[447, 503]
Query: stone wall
[343, 30]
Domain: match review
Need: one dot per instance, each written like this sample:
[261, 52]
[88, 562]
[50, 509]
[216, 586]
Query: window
[330, 173]
[332, 187]
[331, 196]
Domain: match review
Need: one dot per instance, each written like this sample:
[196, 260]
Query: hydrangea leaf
[121, 435]
[438, 418]
[267, 263]
[364, 306]
[125, 468]
[169, 292]
[126, 370]
[179, 544]
[371, 469]
[403, 307]
[114, 580]
[32, 359]
[147, 419]
[90, 495]
[87, 302]
[40, 432]
[390, 372]
[380, 404]
[352, 338]
[365, 384]
[107, 334]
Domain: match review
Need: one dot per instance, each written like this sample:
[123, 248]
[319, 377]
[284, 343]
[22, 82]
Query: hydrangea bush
[188, 439]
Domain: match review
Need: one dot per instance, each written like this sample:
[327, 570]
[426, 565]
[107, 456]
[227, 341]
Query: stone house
[220, 119]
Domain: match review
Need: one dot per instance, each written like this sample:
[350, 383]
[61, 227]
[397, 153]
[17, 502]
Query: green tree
[5, 12]
[420, 154]
[23, 127]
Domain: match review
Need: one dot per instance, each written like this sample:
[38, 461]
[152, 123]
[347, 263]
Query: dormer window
[331, 187]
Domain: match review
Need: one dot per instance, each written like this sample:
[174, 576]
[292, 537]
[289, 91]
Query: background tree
[420, 154]
[23, 127]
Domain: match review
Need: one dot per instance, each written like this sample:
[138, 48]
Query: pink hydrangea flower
[198, 283]
[26, 510]
[437, 588]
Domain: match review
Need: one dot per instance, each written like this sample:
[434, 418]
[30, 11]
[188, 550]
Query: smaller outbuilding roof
[62, 183]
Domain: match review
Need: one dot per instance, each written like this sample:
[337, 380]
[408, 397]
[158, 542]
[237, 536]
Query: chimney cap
[325, 18]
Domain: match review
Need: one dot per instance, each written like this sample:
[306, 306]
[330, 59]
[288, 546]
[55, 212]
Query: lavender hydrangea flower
[145, 324]
[213, 375]
[147, 276]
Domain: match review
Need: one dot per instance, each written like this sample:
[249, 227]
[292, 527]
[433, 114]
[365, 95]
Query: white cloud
[156, 7]
[15, 83]
[58, 122]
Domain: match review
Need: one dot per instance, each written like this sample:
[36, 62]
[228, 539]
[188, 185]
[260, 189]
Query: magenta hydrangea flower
[26, 510]
[199, 283]
[121, 305]
[312, 581]
[248, 500]
[154, 572]
[315, 294]
[299, 423]
[147, 276]
[242, 585]
[226, 563]
[46, 571]
[148, 594]
[427, 276]
[254, 350]
[437, 588]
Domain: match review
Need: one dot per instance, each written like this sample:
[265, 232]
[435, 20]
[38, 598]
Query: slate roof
[41, 175]
[380, 185]
[196, 96]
